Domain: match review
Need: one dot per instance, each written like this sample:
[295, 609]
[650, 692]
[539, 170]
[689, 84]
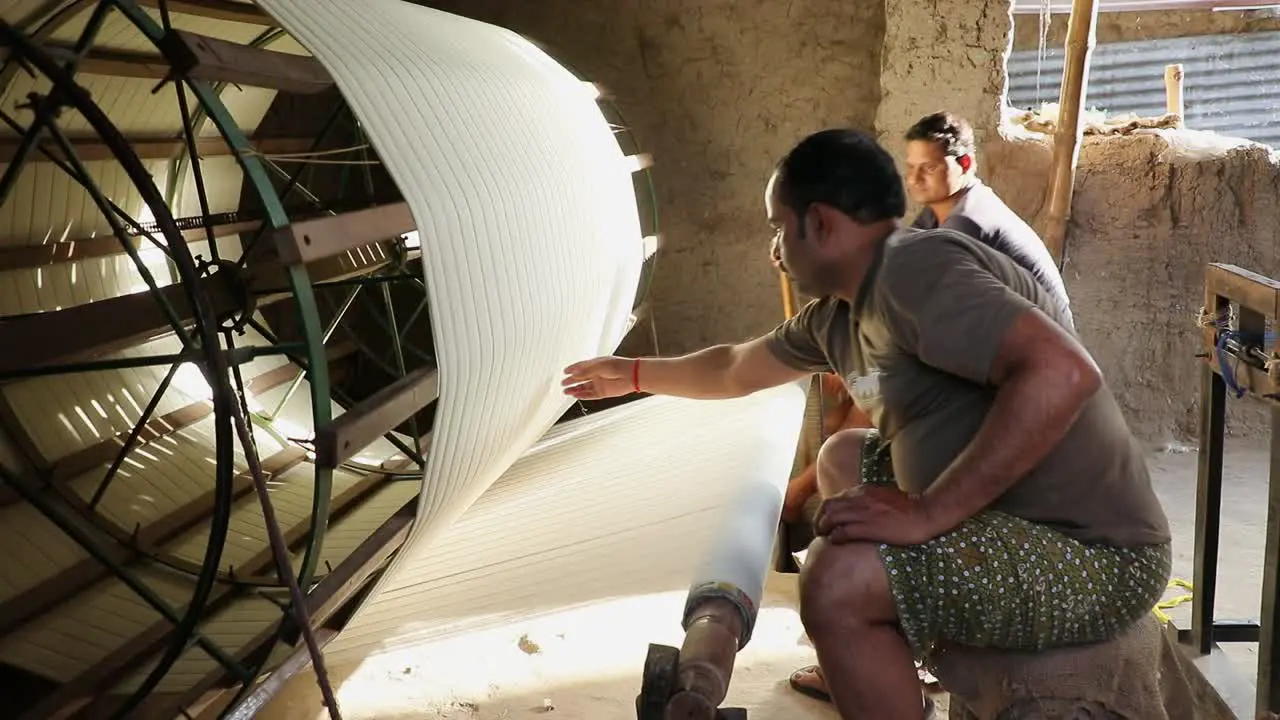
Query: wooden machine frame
[1238, 305]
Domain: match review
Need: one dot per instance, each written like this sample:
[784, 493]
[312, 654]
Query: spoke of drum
[293, 180]
[104, 207]
[328, 333]
[84, 183]
[44, 106]
[62, 517]
[133, 435]
[280, 549]
[184, 109]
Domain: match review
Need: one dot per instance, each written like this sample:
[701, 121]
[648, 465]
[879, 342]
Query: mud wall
[715, 90]
[1145, 219]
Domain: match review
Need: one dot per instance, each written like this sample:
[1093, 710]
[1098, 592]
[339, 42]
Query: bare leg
[839, 468]
[840, 462]
[848, 610]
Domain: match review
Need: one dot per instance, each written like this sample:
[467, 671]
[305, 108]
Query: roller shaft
[710, 646]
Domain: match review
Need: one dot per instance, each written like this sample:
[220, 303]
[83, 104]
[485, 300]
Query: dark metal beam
[89, 687]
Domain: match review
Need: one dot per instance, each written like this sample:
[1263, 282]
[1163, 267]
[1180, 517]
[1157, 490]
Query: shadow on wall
[1145, 221]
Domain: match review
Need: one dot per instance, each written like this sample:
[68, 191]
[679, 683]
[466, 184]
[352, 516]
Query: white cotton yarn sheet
[654, 496]
[526, 212]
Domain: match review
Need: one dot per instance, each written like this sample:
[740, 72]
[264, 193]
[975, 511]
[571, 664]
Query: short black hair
[952, 133]
[846, 169]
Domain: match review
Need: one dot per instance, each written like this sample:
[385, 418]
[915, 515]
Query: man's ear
[820, 221]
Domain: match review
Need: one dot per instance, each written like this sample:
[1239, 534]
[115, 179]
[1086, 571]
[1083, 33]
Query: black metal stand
[1224, 286]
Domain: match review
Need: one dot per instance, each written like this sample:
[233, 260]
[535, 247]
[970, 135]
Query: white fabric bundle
[532, 250]
[524, 205]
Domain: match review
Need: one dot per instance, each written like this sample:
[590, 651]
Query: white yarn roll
[532, 249]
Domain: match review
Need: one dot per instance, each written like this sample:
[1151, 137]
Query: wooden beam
[229, 10]
[114, 63]
[93, 149]
[103, 452]
[14, 255]
[1244, 287]
[213, 60]
[89, 686]
[375, 416]
[99, 328]
[323, 237]
[53, 592]
[344, 581]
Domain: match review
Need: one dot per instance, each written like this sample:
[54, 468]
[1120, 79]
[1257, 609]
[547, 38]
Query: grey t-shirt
[983, 216]
[916, 350]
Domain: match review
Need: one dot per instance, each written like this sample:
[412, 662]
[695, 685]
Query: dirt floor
[584, 663]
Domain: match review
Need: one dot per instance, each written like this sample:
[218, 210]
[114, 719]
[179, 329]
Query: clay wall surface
[1145, 222]
[715, 90]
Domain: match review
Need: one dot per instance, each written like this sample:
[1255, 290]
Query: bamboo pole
[1173, 92]
[788, 312]
[788, 296]
[1081, 37]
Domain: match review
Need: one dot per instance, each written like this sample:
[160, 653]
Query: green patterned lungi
[999, 581]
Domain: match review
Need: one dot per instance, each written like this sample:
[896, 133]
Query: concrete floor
[1244, 524]
[584, 662]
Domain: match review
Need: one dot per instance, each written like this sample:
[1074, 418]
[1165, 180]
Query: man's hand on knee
[876, 513]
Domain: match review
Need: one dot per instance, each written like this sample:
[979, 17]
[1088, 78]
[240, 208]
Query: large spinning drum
[216, 364]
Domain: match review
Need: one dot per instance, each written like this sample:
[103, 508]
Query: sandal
[823, 696]
[808, 690]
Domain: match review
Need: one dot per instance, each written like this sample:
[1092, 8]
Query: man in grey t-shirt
[1001, 500]
[942, 175]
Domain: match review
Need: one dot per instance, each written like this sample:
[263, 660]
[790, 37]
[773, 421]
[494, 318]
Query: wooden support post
[1173, 92]
[1081, 37]
[788, 295]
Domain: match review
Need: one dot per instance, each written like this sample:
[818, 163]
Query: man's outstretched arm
[721, 371]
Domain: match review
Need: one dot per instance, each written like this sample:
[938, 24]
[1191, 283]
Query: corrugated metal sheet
[1231, 85]
[1035, 7]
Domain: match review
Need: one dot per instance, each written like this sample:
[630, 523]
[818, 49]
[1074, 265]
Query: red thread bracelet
[635, 375]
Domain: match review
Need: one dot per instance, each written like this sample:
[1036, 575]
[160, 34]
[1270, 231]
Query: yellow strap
[1173, 602]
